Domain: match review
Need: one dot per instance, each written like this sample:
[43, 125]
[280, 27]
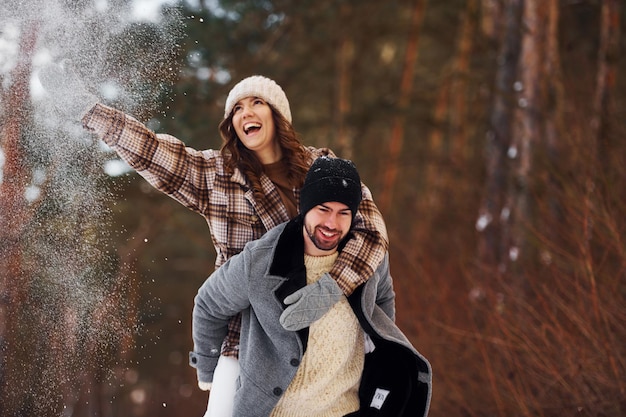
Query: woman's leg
[222, 394]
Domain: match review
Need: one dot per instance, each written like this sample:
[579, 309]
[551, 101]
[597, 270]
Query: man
[353, 360]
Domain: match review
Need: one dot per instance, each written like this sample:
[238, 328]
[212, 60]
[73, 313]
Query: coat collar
[239, 178]
[271, 210]
[288, 259]
[288, 262]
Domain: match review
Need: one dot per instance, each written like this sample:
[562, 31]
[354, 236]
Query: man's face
[325, 225]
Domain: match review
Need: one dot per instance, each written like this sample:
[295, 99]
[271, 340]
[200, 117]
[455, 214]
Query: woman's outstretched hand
[68, 92]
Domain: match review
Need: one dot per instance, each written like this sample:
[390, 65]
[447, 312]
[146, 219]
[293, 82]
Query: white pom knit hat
[262, 87]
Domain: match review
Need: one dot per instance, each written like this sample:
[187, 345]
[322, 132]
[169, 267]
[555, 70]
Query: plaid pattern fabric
[197, 180]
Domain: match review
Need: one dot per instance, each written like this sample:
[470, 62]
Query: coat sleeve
[224, 294]
[183, 173]
[385, 295]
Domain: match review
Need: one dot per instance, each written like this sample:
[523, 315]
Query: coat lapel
[271, 210]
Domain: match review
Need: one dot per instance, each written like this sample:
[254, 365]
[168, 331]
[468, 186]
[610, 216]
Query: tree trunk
[458, 115]
[344, 59]
[406, 88]
[491, 18]
[606, 80]
[490, 248]
[450, 107]
[554, 124]
[526, 133]
[434, 180]
[14, 215]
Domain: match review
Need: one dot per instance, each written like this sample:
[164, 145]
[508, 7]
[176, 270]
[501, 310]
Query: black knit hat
[331, 180]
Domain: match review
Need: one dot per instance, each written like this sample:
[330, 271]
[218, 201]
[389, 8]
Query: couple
[244, 190]
[353, 360]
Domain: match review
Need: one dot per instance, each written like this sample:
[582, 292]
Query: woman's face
[253, 122]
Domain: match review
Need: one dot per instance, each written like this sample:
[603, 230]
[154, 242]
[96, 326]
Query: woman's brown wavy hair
[236, 155]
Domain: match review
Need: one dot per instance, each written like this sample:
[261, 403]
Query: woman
[243, 190]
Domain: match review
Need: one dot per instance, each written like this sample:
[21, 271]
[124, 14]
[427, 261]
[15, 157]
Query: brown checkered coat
[197, 180]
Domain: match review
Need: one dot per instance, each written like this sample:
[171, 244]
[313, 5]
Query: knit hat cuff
[262, 87]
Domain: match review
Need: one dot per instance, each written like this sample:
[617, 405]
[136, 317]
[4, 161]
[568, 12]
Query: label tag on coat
[379, 398]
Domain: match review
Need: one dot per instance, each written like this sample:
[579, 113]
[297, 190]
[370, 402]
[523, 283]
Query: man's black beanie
[331, 179]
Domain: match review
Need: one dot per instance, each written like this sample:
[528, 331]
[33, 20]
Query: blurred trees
[59, 311]
[14, 216]
[470, 121]
[488, 131]
[68, 298]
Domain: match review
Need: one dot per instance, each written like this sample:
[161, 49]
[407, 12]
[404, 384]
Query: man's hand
[67, 90]
[310, 303]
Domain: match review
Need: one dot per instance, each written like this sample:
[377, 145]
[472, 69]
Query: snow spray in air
[63, 313]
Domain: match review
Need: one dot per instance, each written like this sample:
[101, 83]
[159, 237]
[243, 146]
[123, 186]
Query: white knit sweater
[327, 381]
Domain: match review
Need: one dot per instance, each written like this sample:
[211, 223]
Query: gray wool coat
[396, 380]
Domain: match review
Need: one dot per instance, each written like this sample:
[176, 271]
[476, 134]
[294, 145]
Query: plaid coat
[197, 180]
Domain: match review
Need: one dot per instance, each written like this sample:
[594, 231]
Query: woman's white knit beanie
[262, 87]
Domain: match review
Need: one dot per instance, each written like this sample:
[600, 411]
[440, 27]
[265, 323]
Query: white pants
[222, 394]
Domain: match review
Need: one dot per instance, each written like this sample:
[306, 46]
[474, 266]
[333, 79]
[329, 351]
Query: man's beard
[322, 245]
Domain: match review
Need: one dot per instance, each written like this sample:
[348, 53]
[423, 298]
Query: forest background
[489, 131]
